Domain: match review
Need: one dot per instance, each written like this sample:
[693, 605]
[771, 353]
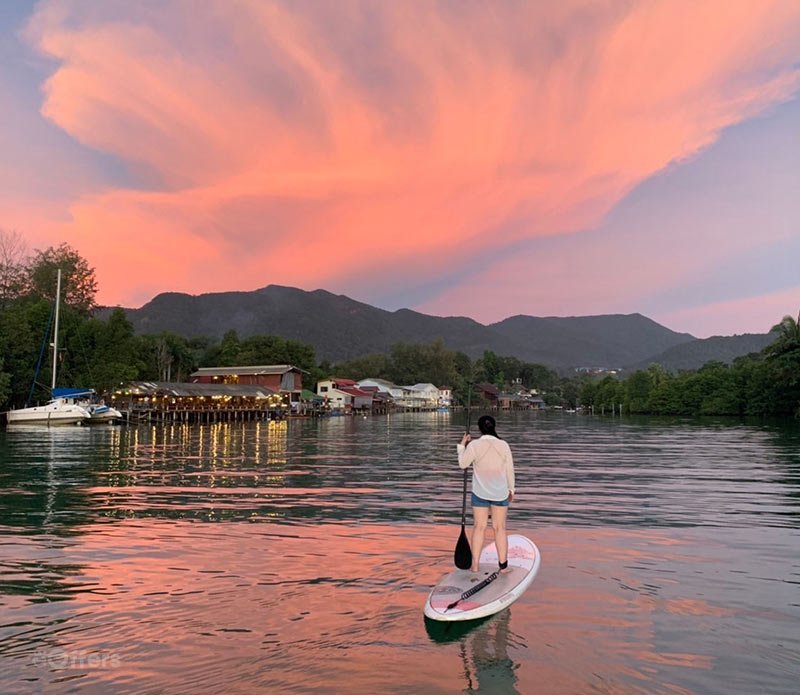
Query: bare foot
[474, 569]
[504, 568]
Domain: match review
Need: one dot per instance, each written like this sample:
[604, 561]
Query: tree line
[763, 383]
[104, 354]
[99, 353]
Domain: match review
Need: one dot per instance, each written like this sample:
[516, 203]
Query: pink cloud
[274, 140]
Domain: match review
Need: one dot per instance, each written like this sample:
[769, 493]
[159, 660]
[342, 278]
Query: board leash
[475, 589]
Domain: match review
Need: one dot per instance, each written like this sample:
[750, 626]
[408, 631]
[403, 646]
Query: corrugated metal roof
[354, 391]
[259, 369]
[171, 388]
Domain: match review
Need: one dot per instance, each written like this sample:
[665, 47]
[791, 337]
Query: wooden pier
[198, 414]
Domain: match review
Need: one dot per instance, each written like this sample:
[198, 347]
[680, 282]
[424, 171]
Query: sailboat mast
[55, 329]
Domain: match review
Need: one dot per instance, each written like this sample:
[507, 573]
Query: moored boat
[99, 412]
[58, 411]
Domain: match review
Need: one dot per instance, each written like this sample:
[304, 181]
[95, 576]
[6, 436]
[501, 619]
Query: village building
[401, 396]
[488, 394]
[424, 395]
[344, 395]
[416, 397]
[383, 386]
[382, 402]
[513, 401]
[281, 378]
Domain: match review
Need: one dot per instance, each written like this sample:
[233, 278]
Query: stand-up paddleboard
[465, 595]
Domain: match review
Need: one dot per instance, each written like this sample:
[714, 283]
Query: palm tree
[788, 339]
[784, 356]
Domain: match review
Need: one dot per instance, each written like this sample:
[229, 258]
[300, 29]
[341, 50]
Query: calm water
[296, 557]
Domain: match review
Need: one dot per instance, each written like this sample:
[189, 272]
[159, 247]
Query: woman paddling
[492, 486]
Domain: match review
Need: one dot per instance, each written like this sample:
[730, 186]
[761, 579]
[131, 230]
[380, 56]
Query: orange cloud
[273, 141]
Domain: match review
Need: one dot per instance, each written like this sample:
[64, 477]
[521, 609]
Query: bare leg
[499, 515]
[480, 518]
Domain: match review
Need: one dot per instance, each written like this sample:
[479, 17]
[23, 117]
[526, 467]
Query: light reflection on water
[670, 558]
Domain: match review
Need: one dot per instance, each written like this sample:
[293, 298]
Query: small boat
[87, 399]
[58, 411]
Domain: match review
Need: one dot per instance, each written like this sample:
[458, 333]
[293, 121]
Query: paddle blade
[463, 555]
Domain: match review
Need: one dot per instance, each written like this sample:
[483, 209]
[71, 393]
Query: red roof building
[282, 378]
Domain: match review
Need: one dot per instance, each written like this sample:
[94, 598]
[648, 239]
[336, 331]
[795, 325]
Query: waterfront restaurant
[281, 378]
[163, 401]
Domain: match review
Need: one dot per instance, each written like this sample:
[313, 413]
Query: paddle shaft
[464, 496]
[462, 556]
[464, 502]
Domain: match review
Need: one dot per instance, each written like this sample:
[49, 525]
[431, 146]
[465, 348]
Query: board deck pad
[523, 563]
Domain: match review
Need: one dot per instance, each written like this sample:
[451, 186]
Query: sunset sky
[479, 159]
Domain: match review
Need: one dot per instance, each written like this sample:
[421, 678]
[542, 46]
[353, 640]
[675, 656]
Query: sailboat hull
[54, 413]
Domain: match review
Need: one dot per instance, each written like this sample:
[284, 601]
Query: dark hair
[486, 425]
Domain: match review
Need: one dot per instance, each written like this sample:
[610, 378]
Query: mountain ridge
[342, 328]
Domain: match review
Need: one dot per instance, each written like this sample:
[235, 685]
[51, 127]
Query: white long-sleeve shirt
[492, 467]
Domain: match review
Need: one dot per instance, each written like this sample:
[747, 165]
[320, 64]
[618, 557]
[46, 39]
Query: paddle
[462, 557]
[475, 589]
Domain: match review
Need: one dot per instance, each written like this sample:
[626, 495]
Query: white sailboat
[58, 411]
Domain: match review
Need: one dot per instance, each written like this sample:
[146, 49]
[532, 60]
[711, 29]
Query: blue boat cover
[71, 393]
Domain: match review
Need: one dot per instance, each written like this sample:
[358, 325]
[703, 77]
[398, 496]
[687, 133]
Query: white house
[427, 395]
[403, 396]
[411, 398]
[344, 394]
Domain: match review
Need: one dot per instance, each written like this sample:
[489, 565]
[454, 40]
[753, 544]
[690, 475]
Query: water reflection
[488, 666]
[484, 649]
[194, 606]
[570, 470]
[444, 633]
[670, 558]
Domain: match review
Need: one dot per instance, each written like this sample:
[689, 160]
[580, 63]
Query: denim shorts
[480, 502]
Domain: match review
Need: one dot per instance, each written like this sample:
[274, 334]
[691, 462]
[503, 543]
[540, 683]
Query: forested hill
[696, 353]
[615, 340]
[341, 328]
